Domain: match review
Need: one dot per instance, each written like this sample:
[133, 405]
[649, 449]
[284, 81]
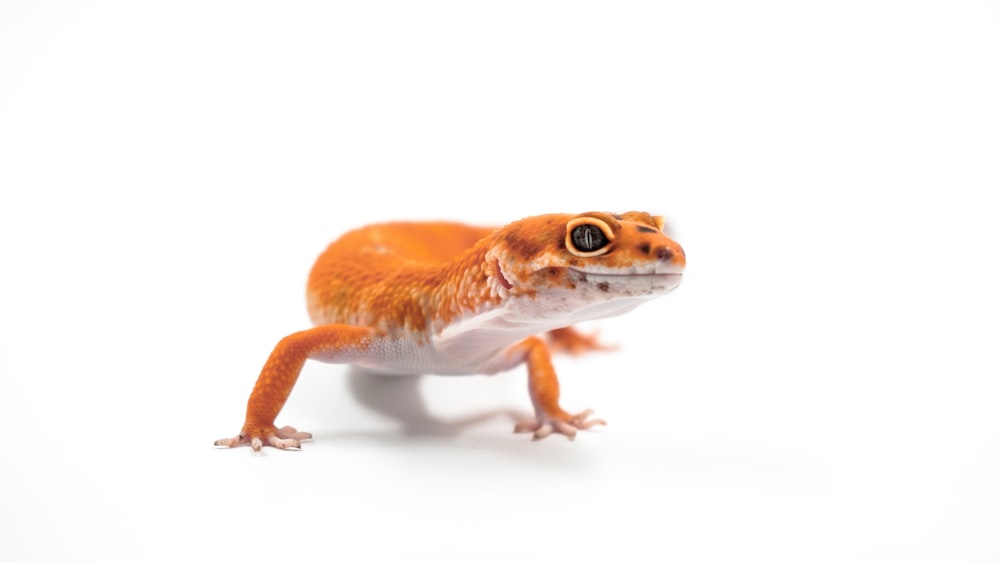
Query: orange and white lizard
[447, 298]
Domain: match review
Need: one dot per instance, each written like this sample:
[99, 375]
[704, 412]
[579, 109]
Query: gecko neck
[467, 286]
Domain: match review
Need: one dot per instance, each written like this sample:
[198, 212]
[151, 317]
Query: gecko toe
[291, 432]
[527, 426]
[229, 442]
[284, 443]
[581, 420]
[565, 428]
[543, 431]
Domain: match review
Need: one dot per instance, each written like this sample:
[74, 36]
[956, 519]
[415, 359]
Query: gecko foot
[282, 438]
[545, 425]
[568, 340]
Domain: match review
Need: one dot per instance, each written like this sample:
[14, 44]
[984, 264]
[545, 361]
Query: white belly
[479, 343]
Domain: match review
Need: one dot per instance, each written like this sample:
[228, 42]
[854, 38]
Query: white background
[822, 387]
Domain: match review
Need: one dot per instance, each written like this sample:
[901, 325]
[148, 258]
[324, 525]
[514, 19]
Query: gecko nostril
[664, 254]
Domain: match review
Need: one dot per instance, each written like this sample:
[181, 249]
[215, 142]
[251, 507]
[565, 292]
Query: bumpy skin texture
[447, 298]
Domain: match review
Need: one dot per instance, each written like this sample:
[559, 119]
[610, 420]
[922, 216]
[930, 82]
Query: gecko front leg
[327, 343]
[544, 389]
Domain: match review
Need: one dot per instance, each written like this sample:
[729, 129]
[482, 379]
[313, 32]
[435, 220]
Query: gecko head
[585, 266]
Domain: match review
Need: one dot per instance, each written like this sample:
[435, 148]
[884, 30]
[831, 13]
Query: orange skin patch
[400, 276]
[445, 297]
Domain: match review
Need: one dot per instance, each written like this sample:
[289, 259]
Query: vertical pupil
[588, 237]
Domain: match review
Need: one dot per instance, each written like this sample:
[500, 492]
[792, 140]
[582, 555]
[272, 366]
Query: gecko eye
[587, 237]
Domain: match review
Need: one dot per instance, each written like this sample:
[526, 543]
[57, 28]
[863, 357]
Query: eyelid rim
[605, 228]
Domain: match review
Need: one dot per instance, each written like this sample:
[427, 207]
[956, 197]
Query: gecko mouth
[663, 281]
[663, 275]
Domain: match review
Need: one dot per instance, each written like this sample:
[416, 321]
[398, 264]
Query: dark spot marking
[617, 216]
[664, 253]
[645, 229]
[645, 248]
[603, 286]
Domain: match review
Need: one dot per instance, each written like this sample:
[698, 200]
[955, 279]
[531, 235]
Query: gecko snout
[671, 255]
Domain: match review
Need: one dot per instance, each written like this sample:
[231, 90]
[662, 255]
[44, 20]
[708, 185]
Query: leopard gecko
[451, 299]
